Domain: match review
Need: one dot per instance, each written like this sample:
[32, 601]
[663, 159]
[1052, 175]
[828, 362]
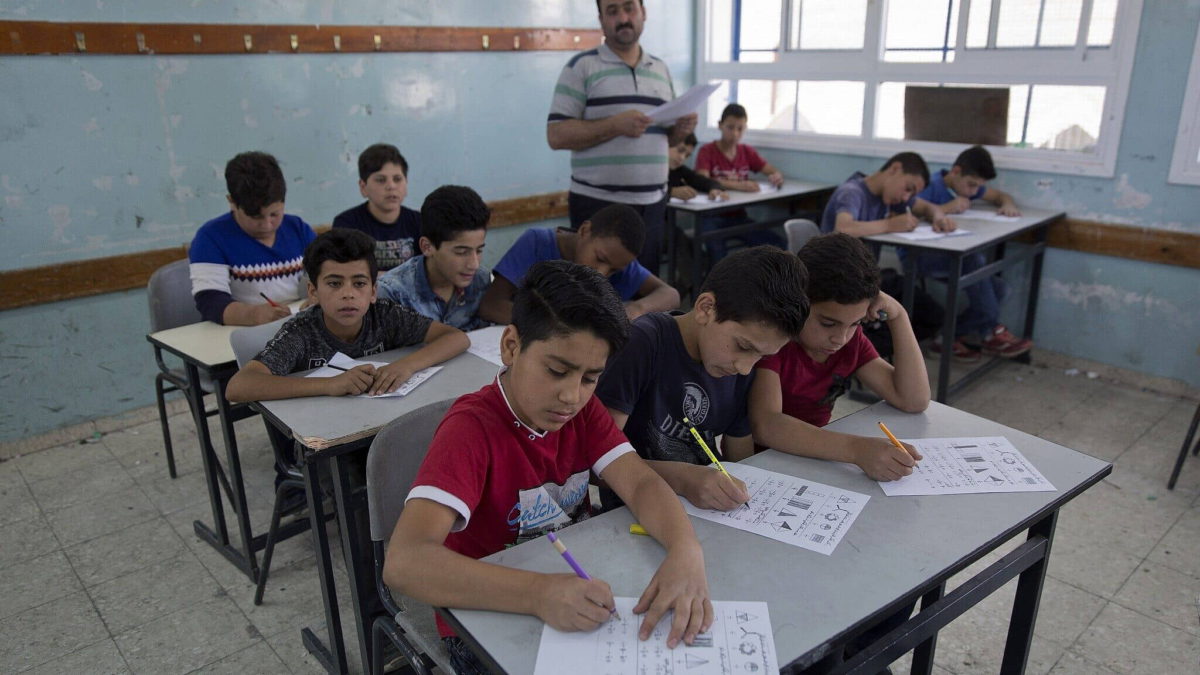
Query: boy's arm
[934, 214]
[1003, 201]
[256, 382]
[680, 584]
[736, 448]
[496, 304]
[738, 185]
[244, 314]
[774, 175]
[904, 382]
[877, 457]
[901, 222]
[419, 565]
[654, 295]
[442, 342]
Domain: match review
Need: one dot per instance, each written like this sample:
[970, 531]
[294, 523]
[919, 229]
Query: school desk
[792, 190]
[898, 550]
[333, 433]
[989, 237]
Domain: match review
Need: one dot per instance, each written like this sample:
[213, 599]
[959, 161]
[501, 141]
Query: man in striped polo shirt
[599, 114]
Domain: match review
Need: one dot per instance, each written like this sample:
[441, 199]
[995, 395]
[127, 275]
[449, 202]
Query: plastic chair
[799, 231]
[1183, 451]
[392, 463]
[171, 305]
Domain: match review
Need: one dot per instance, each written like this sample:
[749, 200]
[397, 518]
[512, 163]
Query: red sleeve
[773, 362]
[458, 459]
[753, 159]
[704, 158]
[864, 351]
[601, 433]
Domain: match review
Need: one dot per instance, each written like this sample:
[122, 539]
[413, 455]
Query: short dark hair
[373, 158]
[601, 9]
[910, 163]
[341, 244]
[734, 110]
[763, 284]
[559, 297]
[976, 161]
[840, 268]
[254, 180]
[691, 140]
[451, 209]
[622, 222]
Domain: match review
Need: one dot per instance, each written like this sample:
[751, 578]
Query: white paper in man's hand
[689, 102]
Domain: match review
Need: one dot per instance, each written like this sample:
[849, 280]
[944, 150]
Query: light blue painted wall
[104, 155]
[1126, 313]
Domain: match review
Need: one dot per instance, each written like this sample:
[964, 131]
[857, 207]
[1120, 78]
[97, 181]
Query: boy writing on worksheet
[794, 390]
[700, 365]
[527, 441]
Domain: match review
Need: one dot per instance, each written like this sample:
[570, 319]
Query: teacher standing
[599, 113]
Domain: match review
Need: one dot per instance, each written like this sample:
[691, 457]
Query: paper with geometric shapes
[342, 361]
[789, 509]
[954, 466]
[739, 642]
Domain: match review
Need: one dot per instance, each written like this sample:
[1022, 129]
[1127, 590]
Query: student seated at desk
[729, 160]
[247, 265]
[978, 328]
[446, 281]
[607, 243]
[794, 391]
[383, 180]
[683, 181]
[346, 318]
[527, 442]
[700, 365]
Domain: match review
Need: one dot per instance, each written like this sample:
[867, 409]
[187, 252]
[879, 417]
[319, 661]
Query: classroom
[1032, 319]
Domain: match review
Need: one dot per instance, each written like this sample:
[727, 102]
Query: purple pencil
[562, 549]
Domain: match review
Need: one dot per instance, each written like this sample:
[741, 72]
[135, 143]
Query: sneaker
[1004, 344]
[959, 352]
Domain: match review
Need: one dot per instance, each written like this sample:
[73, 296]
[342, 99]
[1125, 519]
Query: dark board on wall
[970, 115]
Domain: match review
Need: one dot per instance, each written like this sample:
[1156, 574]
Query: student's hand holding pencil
[569, 603]
[902, 222]
[882, 460]
[390, 377]
[351, 382]
[708, 488]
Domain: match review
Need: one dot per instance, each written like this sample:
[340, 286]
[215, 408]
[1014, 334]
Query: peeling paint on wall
[60, 218]
[91, 82]
[1108, 298]
[104, 183]
[1128, 197]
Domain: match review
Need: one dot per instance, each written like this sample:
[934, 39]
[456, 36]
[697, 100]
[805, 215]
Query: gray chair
[171, 305]
[392, 463]
[799, 231]
[1183, 451]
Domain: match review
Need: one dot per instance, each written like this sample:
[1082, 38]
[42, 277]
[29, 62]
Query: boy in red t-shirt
[729, 161]
[793, 392]
[511, 461]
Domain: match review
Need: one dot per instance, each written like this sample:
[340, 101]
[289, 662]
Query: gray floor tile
[1128, 642]
[1074, 664]
[1162, 593]
[101, 658]
[140, 597]
[113, 555]
[290, 647]
[47, 632]
[62, 459]
[1153, 455]
[36, 582]
[1125, 510]
[100, 516]
[1092, 566]
[25, 540]
[16, 501]
[1180, 548]
[293, 593]
[82, 485]
[168, 495]
[188, 639]
[259, 659]
[1111, 420]
[1065, 611]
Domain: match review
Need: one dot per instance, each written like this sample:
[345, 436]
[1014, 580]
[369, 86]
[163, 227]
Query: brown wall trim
[47, 37]
[1144, 244]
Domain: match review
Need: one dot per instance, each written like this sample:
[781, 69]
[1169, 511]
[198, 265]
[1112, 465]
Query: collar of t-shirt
[425, 289]
[533, 433]
[607, 54]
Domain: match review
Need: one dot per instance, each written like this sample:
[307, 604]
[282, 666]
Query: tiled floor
[100, 571]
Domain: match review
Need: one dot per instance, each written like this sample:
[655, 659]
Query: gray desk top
[983, 232]
[321, 422]
[896, 546]
[791, 188]
[205, 342]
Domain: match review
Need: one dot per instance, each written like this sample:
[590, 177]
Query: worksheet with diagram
[966, 466]
[793, 510]
[740, 641]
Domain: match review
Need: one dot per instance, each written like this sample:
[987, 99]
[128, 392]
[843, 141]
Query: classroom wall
[1126, 313]
[105, 155]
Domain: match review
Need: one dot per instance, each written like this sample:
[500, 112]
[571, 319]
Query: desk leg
[922, 660]
[220, 537]
[697, 256]
[908, 297]
[335, 661]
[1025, 603]
[360, 563]
[1035, 284]
[948, 325]
[672, 246]
[237, 487]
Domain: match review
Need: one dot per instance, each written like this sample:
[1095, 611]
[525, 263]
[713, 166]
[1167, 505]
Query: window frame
[1077, 65]
[1185, 163]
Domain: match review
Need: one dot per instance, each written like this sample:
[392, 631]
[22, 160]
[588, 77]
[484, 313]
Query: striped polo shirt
[596, 84]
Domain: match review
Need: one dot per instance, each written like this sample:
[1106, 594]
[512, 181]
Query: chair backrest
[170, 295]
[247, 342]
[392, 463]
[799, 231]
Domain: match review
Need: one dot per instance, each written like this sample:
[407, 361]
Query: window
[1185, 163]
[841, 75]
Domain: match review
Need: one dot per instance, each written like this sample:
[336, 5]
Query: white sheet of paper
[342, 361]
[686, 103]
[967, 466]
[698, 199]
[740, 641]
[485, 343]
[925, 231]
[764, 186]
[981, 214]
[793, 510]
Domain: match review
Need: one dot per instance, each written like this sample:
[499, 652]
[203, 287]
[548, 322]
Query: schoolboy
[528, 441]
[253, 251]
[730, 161]
[885, 201]
[794, 390]
[347, 318]
[446, 281]
[383, 180]
[683, 181]
[700, 365]
[607, 243]
[979, 325]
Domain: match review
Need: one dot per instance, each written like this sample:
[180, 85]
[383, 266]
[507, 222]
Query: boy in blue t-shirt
[886, 201]
[247, 265]
[445, 281]
[383, 180]
[700, 365]
[607, 243]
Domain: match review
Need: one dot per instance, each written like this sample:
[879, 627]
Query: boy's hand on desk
[881, 460]
[745, 186]
[632, 123]
[568, 603]
[902, 222]
[1008, 208]
[679, 584]
[717, 195]
[390, 377]
[267, 313]
[683, 192]
[352, 382]
[708, 488]
[956, 205]
[943, 223]
[776, 179]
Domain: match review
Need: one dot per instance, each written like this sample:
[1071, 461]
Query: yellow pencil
[638, 529]
[895, 441]
[704, 446]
